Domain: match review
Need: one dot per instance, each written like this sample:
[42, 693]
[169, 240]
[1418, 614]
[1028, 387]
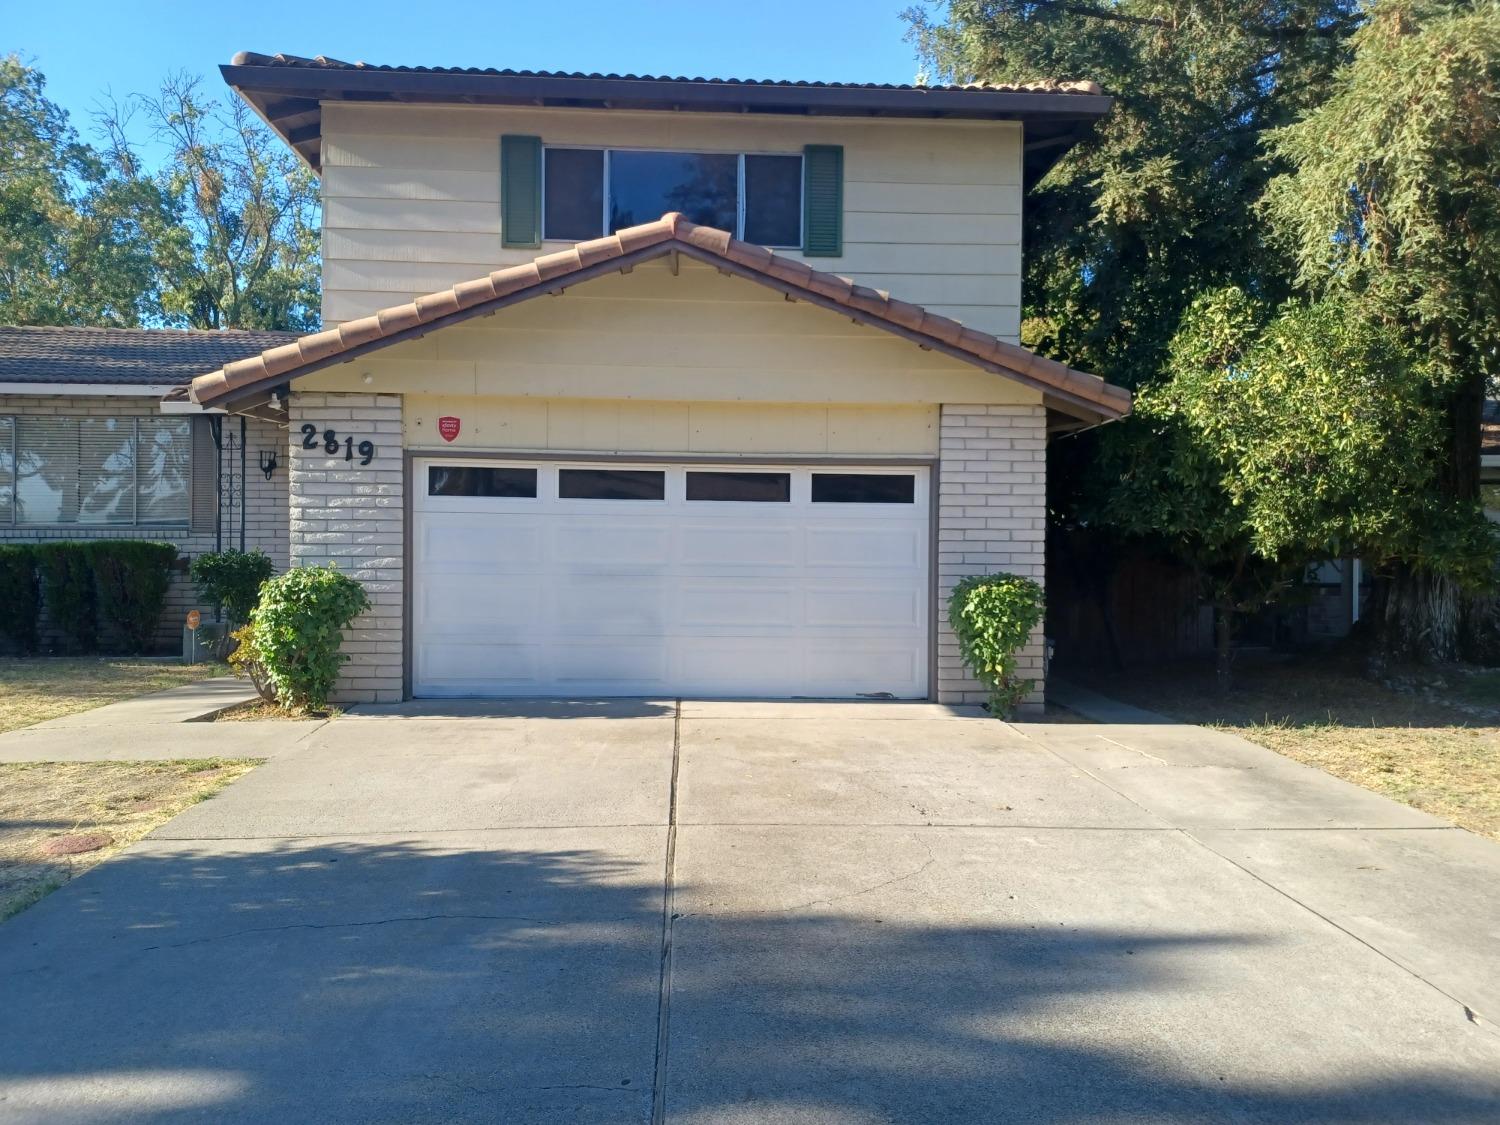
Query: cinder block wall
[992, 499]
[353, 516]
[265, 500]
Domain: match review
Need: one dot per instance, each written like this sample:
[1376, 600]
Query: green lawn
[33, 689]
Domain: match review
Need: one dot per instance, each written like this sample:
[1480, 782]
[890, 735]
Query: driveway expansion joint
[1469, 1014]
[668, 919]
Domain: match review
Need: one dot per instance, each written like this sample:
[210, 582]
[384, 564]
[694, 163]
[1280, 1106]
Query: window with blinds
[94, 471]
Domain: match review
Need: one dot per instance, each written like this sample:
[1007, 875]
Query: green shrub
[231, 580]
[993, 616]
[131, 578]
[20, 597]
[67, 576]
[299, 628]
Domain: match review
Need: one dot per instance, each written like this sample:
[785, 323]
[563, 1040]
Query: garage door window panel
[611, 484]
[864, 488]
[481, 481]
[740, 488]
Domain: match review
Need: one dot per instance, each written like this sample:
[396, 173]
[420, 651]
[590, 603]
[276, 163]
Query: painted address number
[331, 444]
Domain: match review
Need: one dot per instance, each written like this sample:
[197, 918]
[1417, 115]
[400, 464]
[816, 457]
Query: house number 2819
[332, 443]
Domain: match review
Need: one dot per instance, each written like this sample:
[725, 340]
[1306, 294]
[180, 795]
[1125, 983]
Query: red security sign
[448, 427]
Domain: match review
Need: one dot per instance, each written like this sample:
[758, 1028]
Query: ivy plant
[299, 630]
[993, 616]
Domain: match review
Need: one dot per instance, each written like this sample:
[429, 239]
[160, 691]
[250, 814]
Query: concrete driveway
[823, 913]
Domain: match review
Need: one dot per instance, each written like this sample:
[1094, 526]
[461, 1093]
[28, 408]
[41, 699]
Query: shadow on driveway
[473, 980]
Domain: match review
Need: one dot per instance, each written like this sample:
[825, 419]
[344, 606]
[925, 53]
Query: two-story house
[656, 386]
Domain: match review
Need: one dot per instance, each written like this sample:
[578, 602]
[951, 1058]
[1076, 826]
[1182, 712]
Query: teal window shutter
[521, 191]
[823, 201]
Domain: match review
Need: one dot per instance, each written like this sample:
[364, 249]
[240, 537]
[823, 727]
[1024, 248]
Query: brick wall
[354, 517]
[992, 496]
[265, 500]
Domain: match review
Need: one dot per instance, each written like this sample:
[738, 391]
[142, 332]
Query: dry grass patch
[1436, 747]
[58, 819]
[36, 688]
[258, 709]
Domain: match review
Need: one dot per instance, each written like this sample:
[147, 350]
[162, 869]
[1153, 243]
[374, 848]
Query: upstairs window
[591, 192]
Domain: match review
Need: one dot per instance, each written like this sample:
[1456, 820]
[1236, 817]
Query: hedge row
[121, 583]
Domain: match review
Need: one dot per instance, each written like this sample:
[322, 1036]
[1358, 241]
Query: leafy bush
[131, 578]
[67, 575]
[244, 658]
[993, 616]
[231, 580]
[20, 597]
[299, 629]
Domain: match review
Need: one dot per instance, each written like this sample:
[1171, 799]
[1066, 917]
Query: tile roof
[323, 62]
[40, 354]
[672, 232]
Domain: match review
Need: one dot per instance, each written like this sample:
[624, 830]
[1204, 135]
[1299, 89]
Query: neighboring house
[88, 449]
[649, 386]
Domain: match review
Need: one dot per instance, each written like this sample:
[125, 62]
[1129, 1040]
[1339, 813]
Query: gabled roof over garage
[249, 381]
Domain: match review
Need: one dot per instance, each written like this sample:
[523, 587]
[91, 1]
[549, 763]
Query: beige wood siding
[731, 428]
[412, 197]
[698, 336]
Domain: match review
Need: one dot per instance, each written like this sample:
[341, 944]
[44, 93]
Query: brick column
[992, 496]
[353, 516]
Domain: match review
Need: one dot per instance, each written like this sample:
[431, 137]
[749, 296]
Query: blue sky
[86, 46]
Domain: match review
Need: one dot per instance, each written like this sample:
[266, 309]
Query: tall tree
[1394, 204]
[76, 229]
[1282, 437]
[244, 250]
[1151, 210]
[1157, 205]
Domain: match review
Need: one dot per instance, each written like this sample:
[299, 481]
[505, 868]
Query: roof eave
[289, 98]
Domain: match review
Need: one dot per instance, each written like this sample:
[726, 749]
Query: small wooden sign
[194, 619]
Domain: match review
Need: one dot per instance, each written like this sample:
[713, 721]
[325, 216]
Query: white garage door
[548, 578]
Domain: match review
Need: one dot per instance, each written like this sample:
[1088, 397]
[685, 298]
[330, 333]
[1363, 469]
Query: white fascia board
[113, 390]
[180, 406]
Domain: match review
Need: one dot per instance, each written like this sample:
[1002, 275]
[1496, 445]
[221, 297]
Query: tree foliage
[1392, 204]
[1393, 194]
[223, 235]
[1286, 235]
[1280, 437]
[1156, 205]
[243, 252]
[1306, 432]
[76, 234]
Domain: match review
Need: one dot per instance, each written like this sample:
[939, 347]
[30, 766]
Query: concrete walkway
[635, 911]
[152, 728]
